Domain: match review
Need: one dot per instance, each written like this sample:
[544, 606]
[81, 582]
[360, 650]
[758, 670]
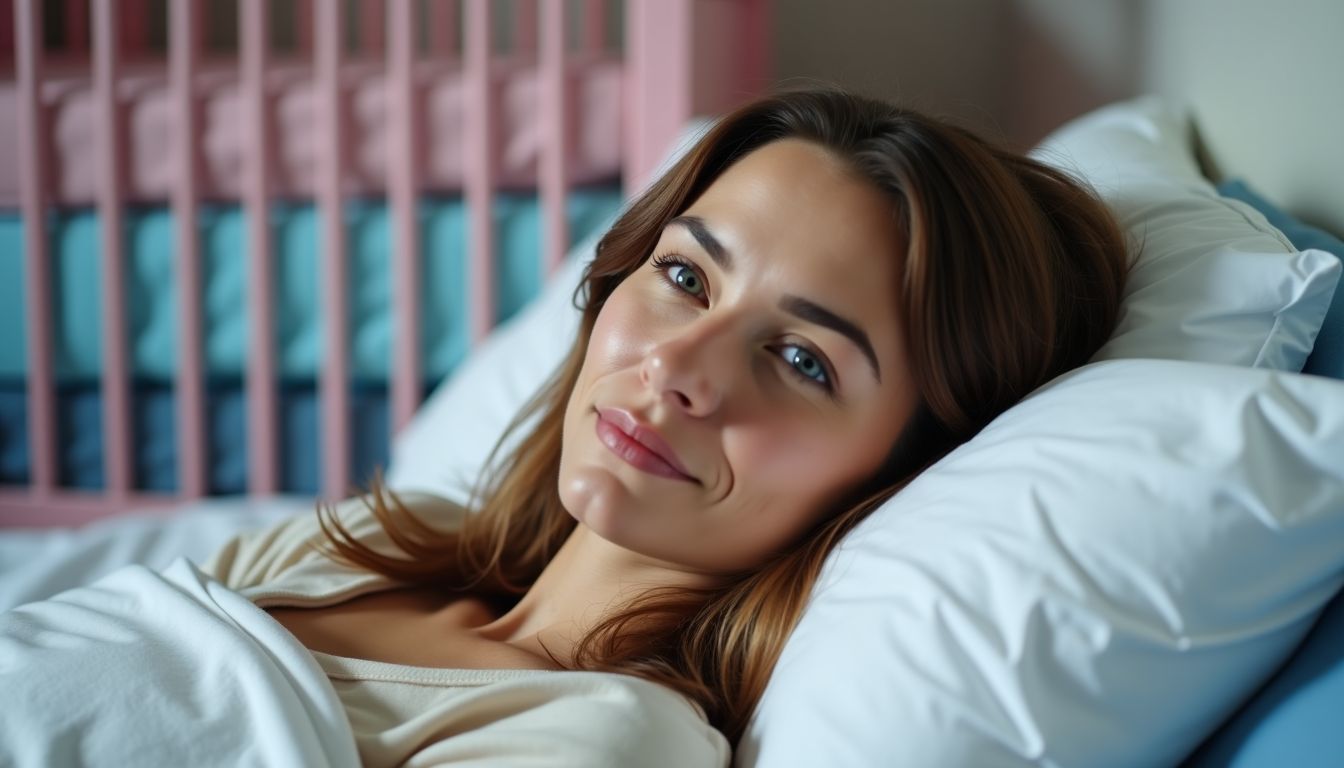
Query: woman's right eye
[680, 275]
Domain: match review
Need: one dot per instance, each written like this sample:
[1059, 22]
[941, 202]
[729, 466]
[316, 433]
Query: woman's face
[749, 373]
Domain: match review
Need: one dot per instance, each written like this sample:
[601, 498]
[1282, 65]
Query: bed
[1139, 565]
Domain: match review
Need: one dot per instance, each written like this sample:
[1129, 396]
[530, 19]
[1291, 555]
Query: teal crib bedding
[75, 246]
[75, 238]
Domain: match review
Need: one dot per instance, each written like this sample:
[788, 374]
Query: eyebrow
[797, 306]
[696, 226]
[819, 315]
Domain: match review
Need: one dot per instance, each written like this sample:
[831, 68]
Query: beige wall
[899, 51]
[1013, 69]
[1261, 79]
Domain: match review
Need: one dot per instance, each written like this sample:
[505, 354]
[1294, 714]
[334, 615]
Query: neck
[588, 580]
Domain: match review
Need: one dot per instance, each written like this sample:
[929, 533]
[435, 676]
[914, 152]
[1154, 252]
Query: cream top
[428, 716]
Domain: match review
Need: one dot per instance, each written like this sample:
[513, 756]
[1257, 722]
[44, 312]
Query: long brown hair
[1012, 274]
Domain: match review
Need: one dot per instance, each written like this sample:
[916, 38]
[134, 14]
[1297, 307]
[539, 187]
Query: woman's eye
[680, 275]
[805, 364]
[685, 278]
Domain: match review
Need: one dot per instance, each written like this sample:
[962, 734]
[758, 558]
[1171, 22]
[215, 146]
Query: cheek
[800, 461]
[616, 339]
[774, 455]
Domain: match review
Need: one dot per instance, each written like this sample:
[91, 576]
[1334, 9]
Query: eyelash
[662, 262]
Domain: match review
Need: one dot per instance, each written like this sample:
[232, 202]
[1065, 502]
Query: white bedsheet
[38, 563]
[168, 667]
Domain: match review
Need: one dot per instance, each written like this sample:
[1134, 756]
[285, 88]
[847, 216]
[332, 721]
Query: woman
[825, 296]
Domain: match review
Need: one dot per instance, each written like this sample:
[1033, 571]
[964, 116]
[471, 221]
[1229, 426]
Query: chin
[594, 496]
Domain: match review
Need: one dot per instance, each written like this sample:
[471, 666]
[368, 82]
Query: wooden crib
[664, 61]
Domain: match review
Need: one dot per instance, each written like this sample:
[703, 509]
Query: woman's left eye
[680, 275]
[806, 365]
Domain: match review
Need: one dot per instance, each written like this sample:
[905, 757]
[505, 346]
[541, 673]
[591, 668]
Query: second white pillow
[1215, 282]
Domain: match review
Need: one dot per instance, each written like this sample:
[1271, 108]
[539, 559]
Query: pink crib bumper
[297, 139]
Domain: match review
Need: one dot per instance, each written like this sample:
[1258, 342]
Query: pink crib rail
[333, 392]
[116, 391]
[683, 57]
[185, 21]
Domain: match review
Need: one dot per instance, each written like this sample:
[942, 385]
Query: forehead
[797, 202]
[792, 208]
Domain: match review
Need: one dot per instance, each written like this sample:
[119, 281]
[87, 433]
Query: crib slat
[403, 183]
[263, 464]
[33, 138]
[480, 163]
[333, 388]
[658, 50]
[555, 111]
[190, 400]
[117, 445]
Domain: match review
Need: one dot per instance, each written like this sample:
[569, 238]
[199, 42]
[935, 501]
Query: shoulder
[591, 719]
[261, 556]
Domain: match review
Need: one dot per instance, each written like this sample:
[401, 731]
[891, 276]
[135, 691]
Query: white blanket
[167, 667]
[38, 563]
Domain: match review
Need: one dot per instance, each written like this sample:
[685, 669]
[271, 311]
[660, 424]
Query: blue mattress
[152, 303]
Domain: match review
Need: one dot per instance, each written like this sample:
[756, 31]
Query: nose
[691, 369]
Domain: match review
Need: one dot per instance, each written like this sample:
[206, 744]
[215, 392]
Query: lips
[639, 445]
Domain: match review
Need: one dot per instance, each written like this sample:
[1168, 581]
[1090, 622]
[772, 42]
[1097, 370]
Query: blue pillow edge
[1327, 356]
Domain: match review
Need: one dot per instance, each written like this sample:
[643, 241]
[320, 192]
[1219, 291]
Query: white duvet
[38, 563]
[147, 667]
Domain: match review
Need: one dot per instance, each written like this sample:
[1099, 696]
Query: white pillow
[1098, 578]
[1216, 282]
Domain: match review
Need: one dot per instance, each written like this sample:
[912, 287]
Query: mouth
[638, 445]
